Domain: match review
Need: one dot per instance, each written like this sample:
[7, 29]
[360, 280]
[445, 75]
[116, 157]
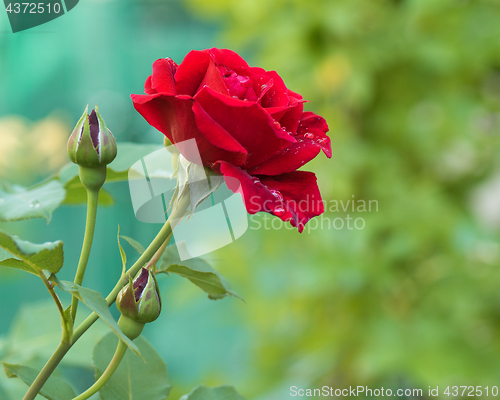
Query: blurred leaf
[198, 271]
[18, 203]
[77, 194]
[98, 304]
[135, 244]
[53, 389]
[215, 393]
[30, 257]
[135, 378]
[36, 332]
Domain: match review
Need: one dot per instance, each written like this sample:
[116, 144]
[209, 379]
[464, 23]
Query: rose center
[237, 85]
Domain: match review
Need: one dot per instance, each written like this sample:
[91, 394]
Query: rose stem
[92, 199]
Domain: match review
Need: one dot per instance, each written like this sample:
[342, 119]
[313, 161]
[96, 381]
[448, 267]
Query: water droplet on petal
[309, 136]
[279, 211]
[277, 195]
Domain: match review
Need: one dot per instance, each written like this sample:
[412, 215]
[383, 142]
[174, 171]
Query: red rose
[247, 125]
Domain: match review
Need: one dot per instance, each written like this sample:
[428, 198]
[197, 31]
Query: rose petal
[228, 58]
[216, 134]
[163, 76]
[294, 94]
[290, 159]
[261, 83]
[147, 86]
[290, 120]
[247, 122]
[213, 79]
[311, 139]
[301, 196]
[313, 128]
[277, 95]
[191, 72]
[292, 197]
[255, 196]
[174, 117]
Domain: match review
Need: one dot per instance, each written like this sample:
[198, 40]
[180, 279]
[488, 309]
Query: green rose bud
[140, 299]
[91, 144]
[139, 302]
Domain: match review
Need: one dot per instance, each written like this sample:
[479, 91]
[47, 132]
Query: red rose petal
[216, 134]
[292, 197]
[255, 195]
[313, 128]
[191, 72]
[277, 96]
[246, 122]
[147, 86]
[300, 193]
[163, 76]
[174, 117]
[213, 79]
[311, 139]
[228, 58]
[290, 159]
[293, 94]
[290, 120]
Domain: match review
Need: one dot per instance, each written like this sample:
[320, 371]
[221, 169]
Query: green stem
[92, 199]
[47, 370]
[113, 365]
[63, 348]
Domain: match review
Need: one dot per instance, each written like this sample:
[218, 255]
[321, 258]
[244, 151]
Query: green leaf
[215, 393]
[68, 321]
[18, 203]
[128, 154]
[98, 304]
[53, 389]
[199, 272]
[135, 244]
[135, 378]
[31, 257]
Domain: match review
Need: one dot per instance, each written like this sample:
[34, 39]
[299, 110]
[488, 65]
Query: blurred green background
[411, 92]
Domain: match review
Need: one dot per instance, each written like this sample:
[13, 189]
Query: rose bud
[139, 302]
[92, 146]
